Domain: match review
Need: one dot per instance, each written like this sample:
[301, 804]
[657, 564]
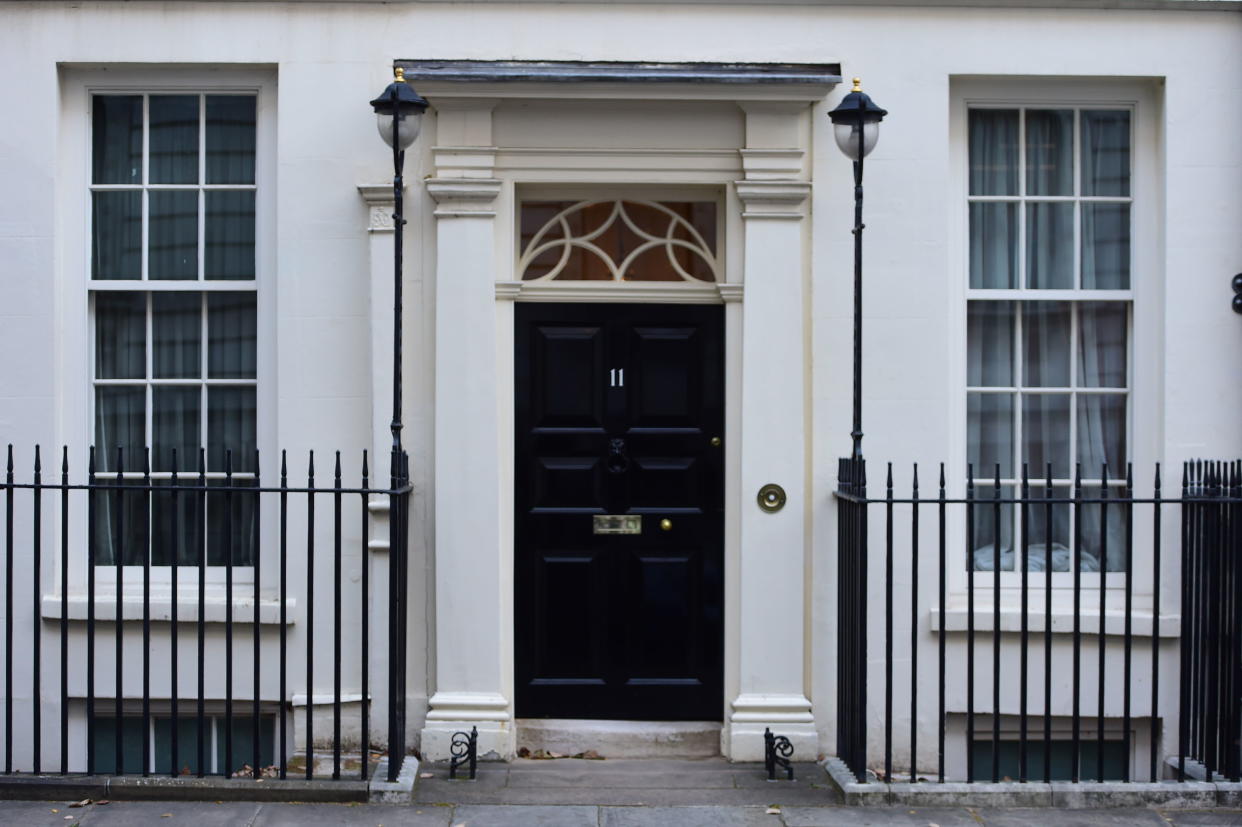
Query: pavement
[613, 793]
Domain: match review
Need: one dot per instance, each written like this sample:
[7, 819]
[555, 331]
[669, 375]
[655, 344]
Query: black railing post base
[465, 750]
[776, 752]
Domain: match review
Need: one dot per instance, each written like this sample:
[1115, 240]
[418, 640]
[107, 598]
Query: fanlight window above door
[621, 240]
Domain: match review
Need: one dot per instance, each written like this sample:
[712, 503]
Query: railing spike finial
[942, 476]
[914, 482]
[38, 462]
[64, 459]
[9, 465]
[365, 470]
[310, 465]
[284, 467]
[336, 475]
[888, 481]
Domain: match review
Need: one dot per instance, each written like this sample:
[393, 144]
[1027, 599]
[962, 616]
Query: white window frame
[1146, 335]
[75, 335]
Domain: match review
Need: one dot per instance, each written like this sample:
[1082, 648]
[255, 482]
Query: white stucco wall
[329, 60]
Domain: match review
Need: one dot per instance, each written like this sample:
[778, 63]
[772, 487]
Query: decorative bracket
[776, 752]
[465, 748]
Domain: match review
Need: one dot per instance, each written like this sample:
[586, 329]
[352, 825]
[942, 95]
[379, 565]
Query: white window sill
[956, 617]
[162, 602]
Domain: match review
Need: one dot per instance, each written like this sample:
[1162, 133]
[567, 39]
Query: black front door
[620, 413]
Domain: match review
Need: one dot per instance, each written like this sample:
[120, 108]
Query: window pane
[1048, 531]
[243, 743]
[120, 421]
[120, 335]
[990, 433]
[116, 139]
[1106, 246]
[187, 745]
[174, 139]
[1103, 531]
[232, 523]
[230, 139]
[990, 523]
[231, 427]
[120, 523]
[994, 245]
[173, 235]
[1050, 246]
[189, 524]
[1102, 433]
[993, 151]
[989, 335]
[1106, 152]
[176, 326]
[116, 235]
[230, 234]
[1046, 344]
[1102, 344]
[231, 335]
[175, 425]
[1046, 432]
[1049, 152]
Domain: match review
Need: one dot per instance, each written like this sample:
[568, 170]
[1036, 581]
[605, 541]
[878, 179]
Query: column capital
[380, 201]
[457, 197]
[772, 199]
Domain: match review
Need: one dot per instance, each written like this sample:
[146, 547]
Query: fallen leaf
[56, 811]
[426, 775]
[81, 803]
[166, 815]
[102, 802]
[524, 752]
[772, 811]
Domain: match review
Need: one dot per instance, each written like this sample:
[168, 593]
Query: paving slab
[330, 815]
[134, 813]
[869, 816]
[41, 813]
[688, 817]
[510, 816]
[1023, 817]
[1203, 818]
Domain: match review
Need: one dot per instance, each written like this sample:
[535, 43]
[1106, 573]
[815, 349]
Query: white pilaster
[772, 675]
[474, 601]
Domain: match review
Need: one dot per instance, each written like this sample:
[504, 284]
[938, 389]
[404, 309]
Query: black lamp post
[399, 114]
[856, 127]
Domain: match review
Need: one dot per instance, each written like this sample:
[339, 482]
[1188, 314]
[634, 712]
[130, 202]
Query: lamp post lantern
[399, 114]
[856, 128]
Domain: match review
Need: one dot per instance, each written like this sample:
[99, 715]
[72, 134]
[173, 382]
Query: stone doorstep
[215, 788]
[1059, 794]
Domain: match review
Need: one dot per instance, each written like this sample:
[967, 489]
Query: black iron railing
[177, 533]
[1022, 556]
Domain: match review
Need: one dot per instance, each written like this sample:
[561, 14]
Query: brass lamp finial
[857, 84]
[401, 75]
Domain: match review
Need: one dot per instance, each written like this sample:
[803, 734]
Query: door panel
[616, 406]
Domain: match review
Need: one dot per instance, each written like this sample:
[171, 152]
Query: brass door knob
[715, 441]
[666, 524]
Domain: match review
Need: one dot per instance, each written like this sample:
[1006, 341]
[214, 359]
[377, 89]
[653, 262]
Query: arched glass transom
[620, 240]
